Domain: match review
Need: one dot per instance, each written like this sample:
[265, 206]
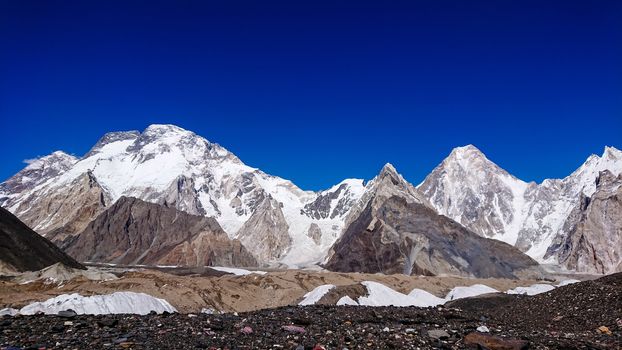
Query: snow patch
[426, 298]
[346, 300]
[8, 311]
[532, 290]
[567, 282]
[236, 271]
[471, 291]
[316, 294]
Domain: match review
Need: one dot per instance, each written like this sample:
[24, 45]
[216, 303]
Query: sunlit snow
[115, 303]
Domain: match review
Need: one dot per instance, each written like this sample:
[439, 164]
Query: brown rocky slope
[132, 231]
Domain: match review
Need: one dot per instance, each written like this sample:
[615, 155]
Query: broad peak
[112, 137]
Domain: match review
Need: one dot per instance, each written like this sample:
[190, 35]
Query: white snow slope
[316, 294]
[236, 271]
[381, 295]
[115, 303]
[470, 291]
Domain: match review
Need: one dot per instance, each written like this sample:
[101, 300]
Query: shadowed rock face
[22, 249]
[594, 243]
[136, 232]
[397, 236]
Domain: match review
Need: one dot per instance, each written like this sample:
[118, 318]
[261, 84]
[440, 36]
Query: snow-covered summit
[465, 182]
[582, 179]
[57, 160]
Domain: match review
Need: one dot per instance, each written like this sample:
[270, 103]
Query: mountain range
[234, 214]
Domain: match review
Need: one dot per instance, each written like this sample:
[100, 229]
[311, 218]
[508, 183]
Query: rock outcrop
[22, 249]
[136, 232]
[594, 242]
[265, 232]
[63, 213]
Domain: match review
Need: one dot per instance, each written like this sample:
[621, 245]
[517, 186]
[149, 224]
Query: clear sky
[317, 91]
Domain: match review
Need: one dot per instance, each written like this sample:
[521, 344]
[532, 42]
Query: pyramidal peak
[389, 182]
[388, 169]
[112, 137]
[466, 156]
[388, 172]
[462, 150]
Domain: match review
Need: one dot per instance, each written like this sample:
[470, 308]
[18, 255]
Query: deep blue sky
[317, 91]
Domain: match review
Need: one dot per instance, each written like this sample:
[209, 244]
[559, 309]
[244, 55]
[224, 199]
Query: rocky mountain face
[179, 169]
[394, 229]
[22, 249]
[280, 224]
[66, 211]
[594, 240]
[266, 231]
[132, 231]
[475, 192]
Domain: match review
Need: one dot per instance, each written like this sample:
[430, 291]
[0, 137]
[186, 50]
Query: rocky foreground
[585, 315]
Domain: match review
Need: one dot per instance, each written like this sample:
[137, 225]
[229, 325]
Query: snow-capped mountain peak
[169, 165]
[462, 185]
[57, 159]
[582, 179]
[388, 183]
[470, 159]
[37, 172]
[112, 137]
